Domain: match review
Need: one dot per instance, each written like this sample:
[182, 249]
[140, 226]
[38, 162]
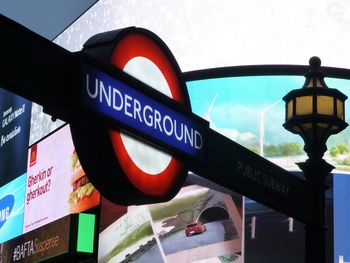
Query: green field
[142, 231]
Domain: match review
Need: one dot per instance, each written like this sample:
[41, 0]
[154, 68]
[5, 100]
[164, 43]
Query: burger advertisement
[83, 195]
[55, 176]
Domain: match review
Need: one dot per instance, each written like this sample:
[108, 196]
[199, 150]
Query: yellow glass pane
[303, 105]
[340, 112]
[290, 110]
[325, 105]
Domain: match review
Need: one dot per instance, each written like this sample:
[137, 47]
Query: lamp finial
[315, 62]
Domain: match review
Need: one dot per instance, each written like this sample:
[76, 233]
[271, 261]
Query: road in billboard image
[198, 225]
[271, 236]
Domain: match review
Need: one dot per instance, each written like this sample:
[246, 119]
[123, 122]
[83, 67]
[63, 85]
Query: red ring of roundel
[138, 45]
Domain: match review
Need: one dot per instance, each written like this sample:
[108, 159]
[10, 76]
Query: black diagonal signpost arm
[35, 68]
[43, 72]
[237, 168]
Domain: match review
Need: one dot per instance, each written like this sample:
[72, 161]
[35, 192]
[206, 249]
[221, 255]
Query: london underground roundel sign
[126, 169]
[150, 170]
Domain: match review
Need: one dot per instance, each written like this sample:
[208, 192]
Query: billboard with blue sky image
[12, 196]
[250, 111]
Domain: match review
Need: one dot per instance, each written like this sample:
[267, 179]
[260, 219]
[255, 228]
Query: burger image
[84, 194]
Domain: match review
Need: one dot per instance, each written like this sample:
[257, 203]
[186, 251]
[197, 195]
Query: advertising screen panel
[129, 238]
[272, 236]
[250, 111]
[275, 237]
[14, 135]
[41, 124]
[55, 176]
[341, 184]
[211, 35]
[43, 243]
[198, 224]
[12, 197]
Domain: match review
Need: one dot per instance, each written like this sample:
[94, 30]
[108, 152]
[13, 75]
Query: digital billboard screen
[55, 176]
[198, 224]
[250, 111]
[12, 196]
[15, 115]
[130, 237]
[43, 243]
[209, 35]
[41, 124]
[272, 236]
[341, 213]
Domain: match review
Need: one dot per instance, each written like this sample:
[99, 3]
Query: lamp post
[315, 112]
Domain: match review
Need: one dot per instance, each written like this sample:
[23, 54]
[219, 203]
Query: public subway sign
[123, 103]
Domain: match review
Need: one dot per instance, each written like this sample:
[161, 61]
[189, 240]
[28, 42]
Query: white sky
[211, 33]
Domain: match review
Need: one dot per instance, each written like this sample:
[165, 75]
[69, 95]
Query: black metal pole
[315, 172]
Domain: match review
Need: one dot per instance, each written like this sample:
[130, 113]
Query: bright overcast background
[212, 33]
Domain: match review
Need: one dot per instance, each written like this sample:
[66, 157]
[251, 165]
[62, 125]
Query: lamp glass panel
[325, 105]
[340, 111]
[290, 110]
[303, 105]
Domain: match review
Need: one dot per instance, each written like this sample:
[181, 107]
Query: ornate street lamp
[315, 112]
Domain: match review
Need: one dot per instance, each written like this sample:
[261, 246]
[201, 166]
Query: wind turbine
[261, 116]
[207, 116]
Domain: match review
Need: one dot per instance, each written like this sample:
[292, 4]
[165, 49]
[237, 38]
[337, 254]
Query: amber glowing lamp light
[315, 111]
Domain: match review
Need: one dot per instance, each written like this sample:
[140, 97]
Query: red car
[195, 228]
